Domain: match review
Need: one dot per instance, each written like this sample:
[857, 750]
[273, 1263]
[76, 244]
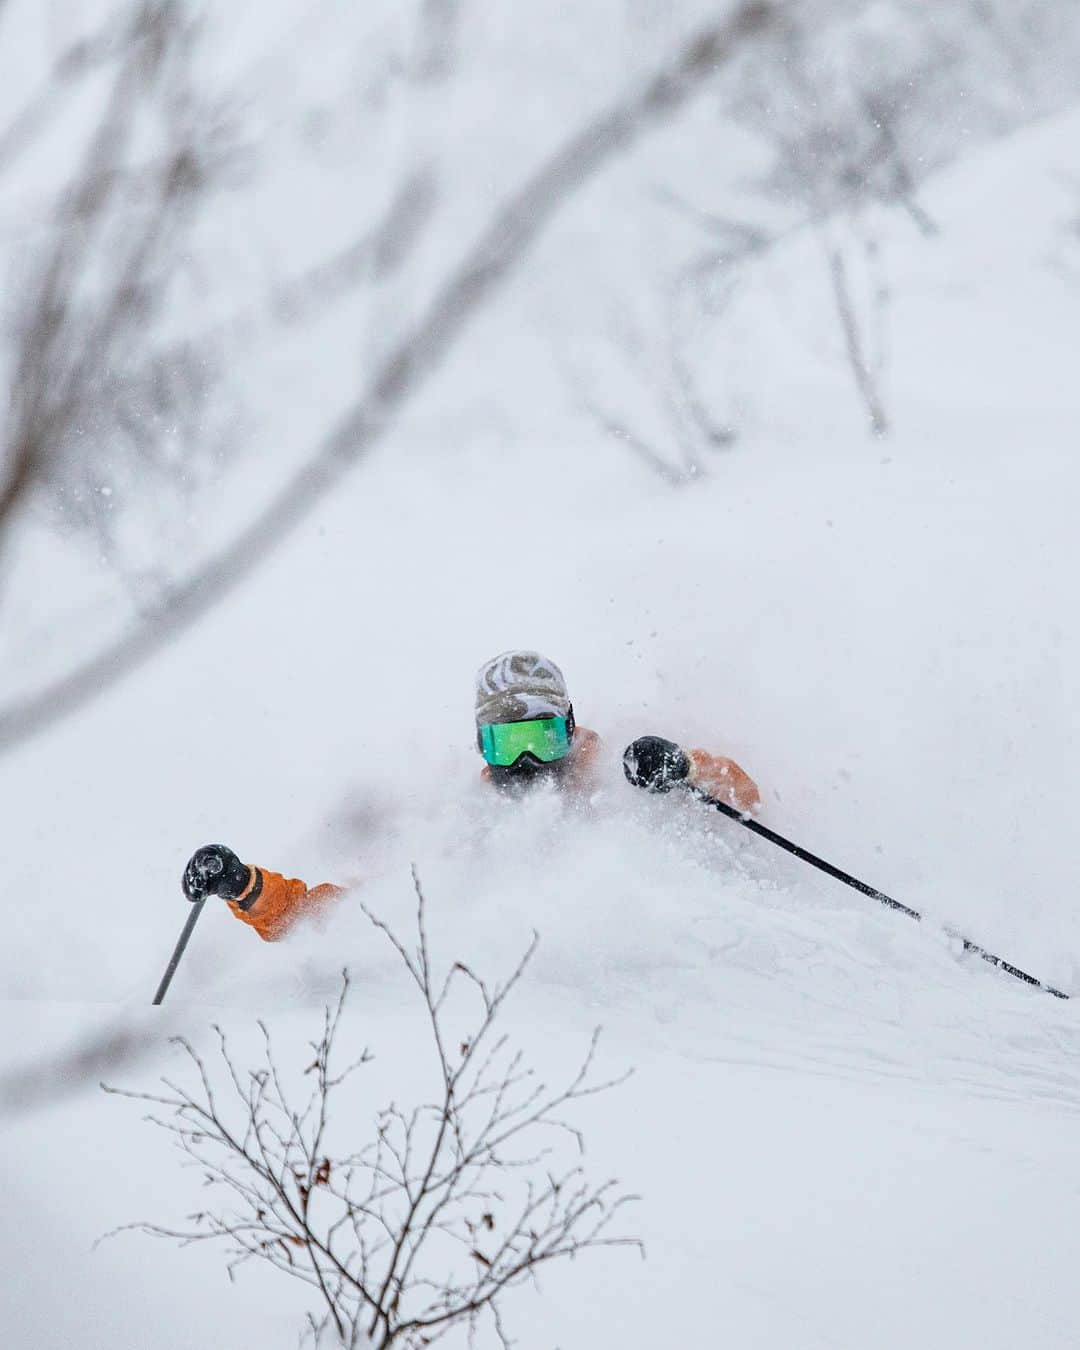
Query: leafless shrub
[428, 1224]
[860, 103]
[837, 116]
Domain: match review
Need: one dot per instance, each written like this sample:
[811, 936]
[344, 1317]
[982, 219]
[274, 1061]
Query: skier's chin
[526, 775]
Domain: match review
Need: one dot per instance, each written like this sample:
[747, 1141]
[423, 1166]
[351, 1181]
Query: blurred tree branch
[439, 20]
[76, 61]
[84, 374]
[379, 253]
[862, 369]
[481, 273]
[41, 1083]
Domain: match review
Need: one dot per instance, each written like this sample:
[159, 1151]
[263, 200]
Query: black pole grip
[655, 764]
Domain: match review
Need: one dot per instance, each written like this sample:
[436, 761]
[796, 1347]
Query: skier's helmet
[524, 718]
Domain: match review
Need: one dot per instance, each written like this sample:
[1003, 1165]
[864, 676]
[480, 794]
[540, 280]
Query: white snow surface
[844, 1132]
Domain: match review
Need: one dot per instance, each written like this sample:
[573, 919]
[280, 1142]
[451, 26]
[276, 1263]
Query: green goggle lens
[548, 738]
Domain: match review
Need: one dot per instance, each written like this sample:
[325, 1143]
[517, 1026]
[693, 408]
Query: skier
[527, 735]
[526, 732]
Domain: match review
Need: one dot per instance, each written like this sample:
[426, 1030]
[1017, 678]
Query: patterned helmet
[519, 686]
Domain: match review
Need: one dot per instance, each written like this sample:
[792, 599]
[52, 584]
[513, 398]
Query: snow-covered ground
[844, 1133]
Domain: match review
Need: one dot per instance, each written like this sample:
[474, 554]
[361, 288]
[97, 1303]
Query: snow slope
[843, 1132]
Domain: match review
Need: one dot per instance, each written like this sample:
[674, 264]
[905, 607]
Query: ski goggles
[545, 738]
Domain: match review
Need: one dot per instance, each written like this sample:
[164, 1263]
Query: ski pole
[178, 951]
[658, 765]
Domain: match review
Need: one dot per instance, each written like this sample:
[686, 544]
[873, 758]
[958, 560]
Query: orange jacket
[273, 903]
[723, 778]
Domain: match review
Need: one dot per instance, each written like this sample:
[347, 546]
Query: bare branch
[857, 359]
[376, 255]
[625, 435]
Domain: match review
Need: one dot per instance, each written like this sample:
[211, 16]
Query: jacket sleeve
[273, 903]
[724, 779]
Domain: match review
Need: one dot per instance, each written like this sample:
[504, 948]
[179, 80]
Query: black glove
[215, 870]
[654, 764]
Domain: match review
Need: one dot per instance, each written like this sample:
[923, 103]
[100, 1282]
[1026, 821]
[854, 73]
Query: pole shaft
[856, 884]
[178, 951]
[799, 852]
